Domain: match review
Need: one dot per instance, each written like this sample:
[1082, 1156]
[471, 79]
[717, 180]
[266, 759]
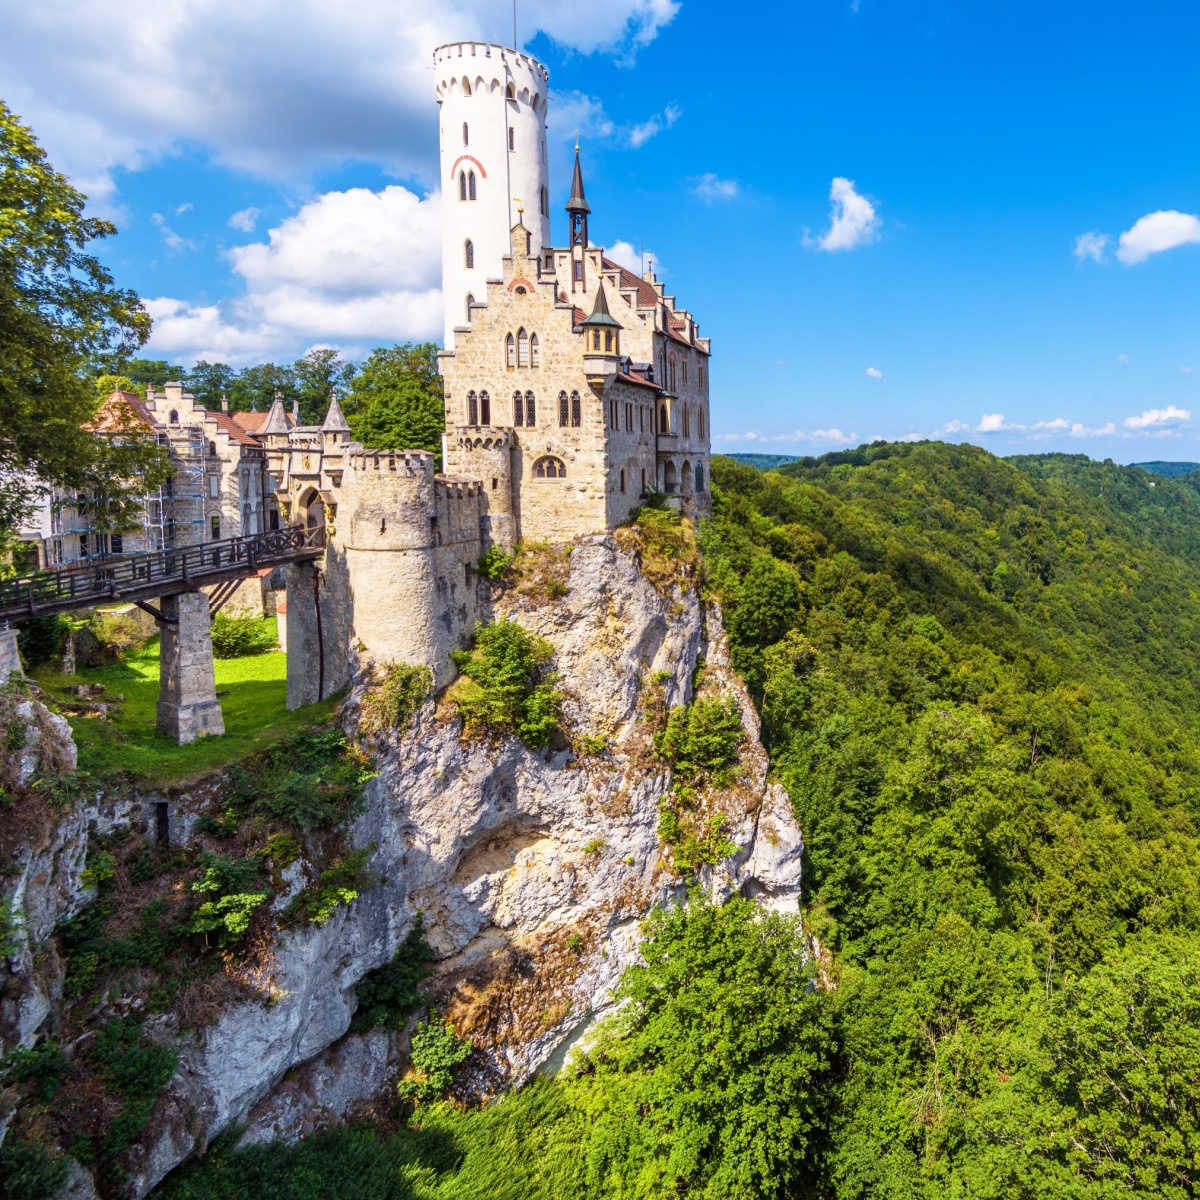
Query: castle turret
[601, 344]
[578, 210]
[492, 131]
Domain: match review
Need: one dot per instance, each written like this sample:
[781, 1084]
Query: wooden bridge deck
[142, 576]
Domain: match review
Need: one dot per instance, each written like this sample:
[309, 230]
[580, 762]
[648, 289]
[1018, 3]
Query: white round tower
[492, 133]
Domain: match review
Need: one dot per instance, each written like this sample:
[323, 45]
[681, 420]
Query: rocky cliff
[533, 871]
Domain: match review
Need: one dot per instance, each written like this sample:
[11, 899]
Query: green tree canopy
[62, 319]
[395, 402]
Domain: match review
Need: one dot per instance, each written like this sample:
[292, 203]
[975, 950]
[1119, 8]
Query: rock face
[533, 871]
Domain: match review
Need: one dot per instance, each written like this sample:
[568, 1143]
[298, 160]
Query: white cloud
[174, 242]
[991, 423]
[874, 372]
[631, 258]
[348, 266]
[1186, 368]
[853, 221]
[575, 114]
[641, 133]
[1156, 232]
[710, 187]
[1157, 418]
[185, 207]
[279, 87]
[245, 219]
[1123, 359]
[1091, 245]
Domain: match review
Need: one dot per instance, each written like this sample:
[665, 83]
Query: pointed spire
[276, 421]
[334, 421]
[600, 314]
[577, 202]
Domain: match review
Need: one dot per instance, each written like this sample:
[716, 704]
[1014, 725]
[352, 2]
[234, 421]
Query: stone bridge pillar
[187, 692]
[318, 630]
[10, 660]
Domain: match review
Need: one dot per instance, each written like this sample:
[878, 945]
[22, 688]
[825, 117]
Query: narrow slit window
[485, 409]
[462, 185]
[576, 413]
[518, 409]
[472, 409]
[469, 253]
[564, 412]
[466, 135]
[535, 355]
[530, 409]
[471, 185]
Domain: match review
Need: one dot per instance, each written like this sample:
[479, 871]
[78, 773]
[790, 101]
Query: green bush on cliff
[395, 697]
[506, 687]
[701, 740]
[390, 994]
[437, 1053]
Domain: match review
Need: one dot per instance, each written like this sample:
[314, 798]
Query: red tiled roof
[647, 296]
[252, 422]
[233, 428]
[119, 412]
[578, 315]
[637, 380]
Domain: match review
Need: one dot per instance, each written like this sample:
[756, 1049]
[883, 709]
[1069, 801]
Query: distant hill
[1168, 468]
[764, 462]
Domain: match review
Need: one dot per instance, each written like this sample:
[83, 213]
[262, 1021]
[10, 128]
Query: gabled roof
[120, 412]
[647, 297]
[600, 314]
[252, 422]
[234, 430]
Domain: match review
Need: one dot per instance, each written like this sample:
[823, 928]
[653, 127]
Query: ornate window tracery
[549, 467]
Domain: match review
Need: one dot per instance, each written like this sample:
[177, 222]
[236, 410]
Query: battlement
[483, 437]
[462, 63]
[413, 463]
[458, 486]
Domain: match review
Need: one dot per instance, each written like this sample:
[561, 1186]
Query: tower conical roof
[276, 421]
[577, 202]
[600, 314]
[334, 421]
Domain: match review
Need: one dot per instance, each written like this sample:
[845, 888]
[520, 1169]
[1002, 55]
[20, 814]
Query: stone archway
[310, 509]
[670, 478]
[685, 479]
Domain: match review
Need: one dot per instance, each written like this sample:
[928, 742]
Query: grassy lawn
[253, 702]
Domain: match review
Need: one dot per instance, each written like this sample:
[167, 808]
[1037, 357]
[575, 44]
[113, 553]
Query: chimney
[224, 403]
[296, 410]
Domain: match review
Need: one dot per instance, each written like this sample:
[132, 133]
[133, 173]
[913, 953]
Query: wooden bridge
[188, 707]
[138, 578]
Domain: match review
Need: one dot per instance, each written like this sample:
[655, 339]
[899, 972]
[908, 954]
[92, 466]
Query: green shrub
[42, 1065]
[436, 1052]
[701, 740]
[11, 923]
[339, 884]
[313, 779]
[229, 884]
[29, 1171]
[43, 639]
[495, 564]
[389, 995]
[506, 688]
[391, 703]
[240, 636]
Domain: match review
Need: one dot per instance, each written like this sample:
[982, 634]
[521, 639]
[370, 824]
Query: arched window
[470, 302]
[663, 427]
[673, 388]
[530, 409]
[518, 409]
[535, 353]
[700, 421]
[510, 351]
[485, 409]
[462, 185]
[469, 253]
[685, 372]
[472, 409]
[522, 348]
[670, 478]
[687, 421]
[509, 94]
[699, 478]
[471, 185]
[608, 339]
[575, 410]
[686, 479]
[549, 467]
[563, 410]
[212, 449]
[466, 135]
[173, 418]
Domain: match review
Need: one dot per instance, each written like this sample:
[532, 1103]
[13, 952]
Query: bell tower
[578, 210]
[492, 138]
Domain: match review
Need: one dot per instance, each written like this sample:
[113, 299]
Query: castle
[574, 389]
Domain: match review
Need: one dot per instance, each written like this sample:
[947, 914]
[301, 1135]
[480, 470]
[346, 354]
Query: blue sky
[874, 207]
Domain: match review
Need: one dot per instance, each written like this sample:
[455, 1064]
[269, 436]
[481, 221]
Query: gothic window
[608, 339]
[700, 376]
[663, 427]
[549, 467]
[595, 339]
[578, 269]
[470, 302]
[471, 185]
[462, 185]
[469, 253]
[687, 422]
[510, 351]
[700, 422]
[670, 478]
[466, 137]
[173, 418]
[472, 409]
[530, 410]
[522, 348]
[485, 409]
[518, 409]
[699, 478]
[563, 410]
[509, 94]
[629, 418]
[535, 352]
[685, 372]
[673, 388]
[575, 410]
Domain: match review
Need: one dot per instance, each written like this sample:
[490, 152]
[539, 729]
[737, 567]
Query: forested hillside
[979, 682]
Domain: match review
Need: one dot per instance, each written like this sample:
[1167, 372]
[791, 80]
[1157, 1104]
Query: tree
[62, 319]
[208, 382]
[254, 387]
[395, 401]
[316, 375]
[156, 371]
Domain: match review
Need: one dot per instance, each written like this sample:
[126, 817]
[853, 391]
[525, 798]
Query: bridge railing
[109, 577]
